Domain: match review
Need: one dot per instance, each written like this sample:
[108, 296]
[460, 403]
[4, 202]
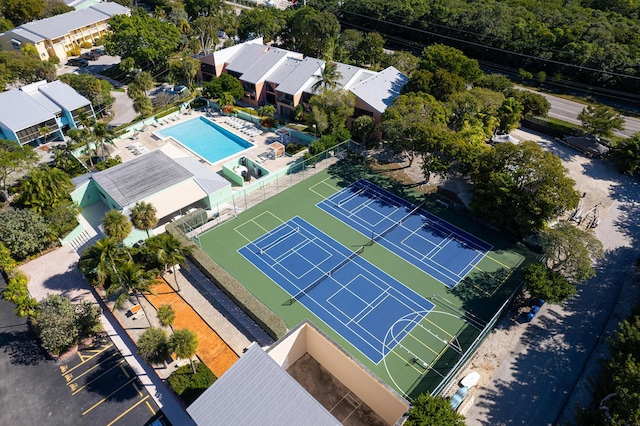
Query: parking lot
[104, 388]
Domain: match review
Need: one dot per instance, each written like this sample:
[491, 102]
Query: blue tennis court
[435, 246]
[366, 306]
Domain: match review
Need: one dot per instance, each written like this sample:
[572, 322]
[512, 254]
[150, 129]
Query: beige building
[285, 79]
[57, 35]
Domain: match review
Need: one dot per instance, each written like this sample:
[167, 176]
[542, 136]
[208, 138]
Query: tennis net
[327, 274]
[377, 237]
[279, 239]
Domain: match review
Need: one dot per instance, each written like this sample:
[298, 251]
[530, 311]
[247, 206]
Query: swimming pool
[205, 139]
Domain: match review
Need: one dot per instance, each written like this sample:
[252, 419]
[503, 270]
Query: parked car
[90, 56]
[98, 51]
[78, 62]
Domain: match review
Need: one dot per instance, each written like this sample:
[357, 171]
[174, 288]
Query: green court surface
[424, 356]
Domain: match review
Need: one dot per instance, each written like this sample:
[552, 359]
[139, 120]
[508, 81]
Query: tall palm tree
[83, 134]
[143, 216]
[328, 78]
[184, 343]
[171, 252]
[133, 281]
[116, 225]
[101, 261]
[103, 135]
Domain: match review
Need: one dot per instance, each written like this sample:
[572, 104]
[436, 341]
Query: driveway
[538, 382]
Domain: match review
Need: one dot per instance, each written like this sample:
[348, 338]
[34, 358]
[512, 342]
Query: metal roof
[257, 391]
[301, 77]
[380, 90]
[208, 180]
[246, 57]
[64, 95]
[60, 25]
[134, 180]
[18, 110]
[28, 35]
[283, 71]
[263, 65]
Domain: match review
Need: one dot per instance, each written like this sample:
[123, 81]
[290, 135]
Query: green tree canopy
[14, 161]
[145, 39]
[405, 62]
[546, 284]
[509, 114]
[44, 188]
[98, 91]
[184, 343]
[22, 11]
[310, 32]
[166, 315]
[226, 83]
[169, 252]
[24, 232]
[439, 56]
[532, 103]
[7, 263]
[257, 22]
[17, 293]
[116, 225]
[328, 79]
[331, 109]
[56, 324]
[520, 187]
[405, 122]
[153, 345]
[100, 262]
[427, 410]
[475, 107]
[143, 216]
[600, 120]
[626, 154]
[205, 30]
[570, 251]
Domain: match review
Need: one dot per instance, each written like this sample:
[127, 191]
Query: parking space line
[137, 390]
[75, 391]
[124, 413]
[124, 370]
[63, 367]
[150, 408]
[69, 377]
[108, 396]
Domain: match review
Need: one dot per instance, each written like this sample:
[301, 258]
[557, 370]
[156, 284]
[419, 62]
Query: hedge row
[256, 310]
[551, 127]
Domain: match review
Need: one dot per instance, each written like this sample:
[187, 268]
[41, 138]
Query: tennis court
[435, 246]
[367, 307]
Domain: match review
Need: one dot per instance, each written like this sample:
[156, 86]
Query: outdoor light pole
[315, 130]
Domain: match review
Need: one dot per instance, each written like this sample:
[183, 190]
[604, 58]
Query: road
[535, 383]
[568, 111]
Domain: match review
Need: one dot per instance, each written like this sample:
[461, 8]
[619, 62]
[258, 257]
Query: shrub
[75, 51]
[190, 386]
[56, 324]
[86, 45]
[109, 162]
[24, 232]
[294, 148]
[255, 309]
[17, 293]
[87, 319]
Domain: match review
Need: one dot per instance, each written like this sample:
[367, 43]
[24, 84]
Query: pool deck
[151, 142]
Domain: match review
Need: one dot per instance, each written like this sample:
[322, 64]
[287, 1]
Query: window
[357, 112]
[16, 43]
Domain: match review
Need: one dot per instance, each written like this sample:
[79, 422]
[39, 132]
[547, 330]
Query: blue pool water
[205, 139]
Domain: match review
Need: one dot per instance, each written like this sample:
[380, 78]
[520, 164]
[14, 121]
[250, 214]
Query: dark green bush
[256, 310]
[109, 162]
[190, 386]
[294, 148]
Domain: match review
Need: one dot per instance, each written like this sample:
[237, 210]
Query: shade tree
[153, 346]
[432, 411]
[626, 154]
[15, 161]
[24, 232]
[600, 120]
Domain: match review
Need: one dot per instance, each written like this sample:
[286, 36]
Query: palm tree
[153, 346]
[44, 188]
[103, 136]
[328, 78]
[184, 343]
[84, 135]
[166, 315]
[143, 216]
[171, 252]
[44, 131]
[133, 281]
[101, 261]
[116, 225]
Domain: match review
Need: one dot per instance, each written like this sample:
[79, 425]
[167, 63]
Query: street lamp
[315, 130]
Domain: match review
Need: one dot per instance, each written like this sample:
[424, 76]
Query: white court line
[369, 307]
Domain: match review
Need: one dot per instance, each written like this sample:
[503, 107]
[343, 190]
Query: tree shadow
[23, 347]
[111, 378]
[70, 284]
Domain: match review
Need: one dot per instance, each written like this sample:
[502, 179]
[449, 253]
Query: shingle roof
[64, 95]
[18, 110]
[257, 391]
[134, 180]
[60, 25]
[301, 77]
[380, 90]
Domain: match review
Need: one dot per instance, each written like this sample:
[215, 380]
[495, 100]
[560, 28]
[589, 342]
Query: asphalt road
[92, 387]
[567, 110]
[534, 384]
